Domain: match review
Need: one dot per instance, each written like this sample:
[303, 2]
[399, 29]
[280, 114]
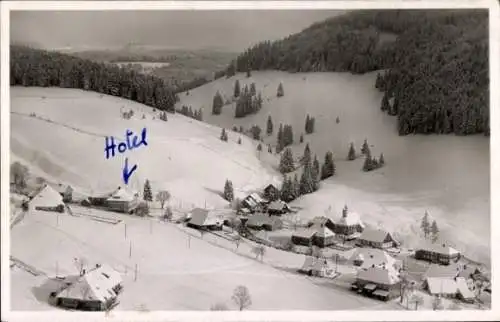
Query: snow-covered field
[447, 175]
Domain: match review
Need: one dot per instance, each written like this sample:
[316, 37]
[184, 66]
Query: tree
[168, 215]
[418, 300]
[269, 125]
[287, 135]
[296, 186]
[301, 140]
[259, 147]
[253, 91]
[309, 127]
[381, 160]
[316, 173]
[280, 91]
[425, 225]
[434, 231]
[259, 251]
[228, 191]
[162, 196]
[365, 148]
[237, 89]
[256, 130]
[148, 194]
[306, 179]
[352, 153]
[286, 192]
[142, 209]
[19, 174]
[239, 140]
[385, 106]
[279, 144]
[241, 296]
[306, 157]
[223, 135]
[249, 72]
[286, 162]
[328, 168]
[337, 120]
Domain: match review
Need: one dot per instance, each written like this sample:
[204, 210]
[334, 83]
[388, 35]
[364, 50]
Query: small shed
[376, 238]
[314, 266]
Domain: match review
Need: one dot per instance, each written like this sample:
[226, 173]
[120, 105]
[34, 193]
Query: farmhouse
[317, 236]
[47, 199]
[271, 193]
[303, 237]
[277, 207]
[204, 219]
[66, 191]
[314, 266]
[376, 238]
[369, 257]
[437, 253]
[264, 222]
[253, 202]
[122, 200]
[349, 225]
[438, 271]
[97, 290]
[449, 287]
[322, 221]
[323, 237]
[379, 282]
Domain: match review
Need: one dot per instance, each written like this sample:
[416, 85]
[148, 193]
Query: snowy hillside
[65, 141]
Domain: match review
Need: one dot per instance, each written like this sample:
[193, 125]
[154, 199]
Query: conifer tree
[256, 130]
[337, 120]
[434, 231]
[279, 143]
[425, 225]
[306, 179]
[269, 130]
[259, 147]
[306, 157]
[307, 124]
[287, 135]
[228, 191]
[280, 91]
[385, 106]
[286, 162]
[368, 164]
[352, 153]
[237, 88]
[217, 104]
[148, 194]
[296, 186]
[235, 128]
[301, 138]
[381, 160]
[249, 72]
[253, 91]
[286, 191]
[316, 173]
[328, 168]
[364, 147]
[239, 140]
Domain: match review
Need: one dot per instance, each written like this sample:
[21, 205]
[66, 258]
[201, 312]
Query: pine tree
[434, 231]
[316, 173]
[385, 106]
[306, 157]
[287, 135]
[269, 125]
[280, 91]
[367, 165]
[148, 194]
[259, 147]
[381, 160]
[253, 91]
[256, 130]
[228, 191]
[249, 72]
[286, 191]
[279, 144]
[425, 225]
[296, 186]
[352, 153]
[364, 147]
[307, 124]
[223, 135]
[301, 138]
[328, 168]
[306, 179]
[217, 104]
[286, 162]
[237, 88]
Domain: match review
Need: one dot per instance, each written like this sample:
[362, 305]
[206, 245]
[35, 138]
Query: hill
[435, 62]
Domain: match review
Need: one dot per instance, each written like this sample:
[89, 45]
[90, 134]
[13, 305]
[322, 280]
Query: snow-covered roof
[319, 220]
[111, 276]
[122, 194]
[47, 197]
[304, 233]
[438, 285]
[324, 232]
[440, 248]
[259, 220]
[464, 289]
[350, 219]
[277, 205]
[203, 217]
[315, 264]
[255, 196]
[374, 235]
[378, 275]
[61, 188]
[441, 271]
[370, 257]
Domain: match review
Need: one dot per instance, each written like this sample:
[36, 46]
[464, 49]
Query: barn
[376, 238]
[47, 199]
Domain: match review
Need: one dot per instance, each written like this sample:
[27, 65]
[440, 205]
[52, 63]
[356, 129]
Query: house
[379, 282]
[47, 199]
[317, 236]
[277, 207]
[253, 202]
[321, 221]
[122, 200]
[376, 238]
[66, 191]
[437, 253]
[438, 271]
[264, 222]
[96, 290]
[349, 225]
[369, 257]
[314, 266]
[271, 193]
[203, 219]
[449, 287]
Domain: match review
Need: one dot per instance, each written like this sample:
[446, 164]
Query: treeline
[189, 112]
[34, 67]
[436, 63]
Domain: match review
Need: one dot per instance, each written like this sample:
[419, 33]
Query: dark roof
[260, 220]
[271, 186]
[374, 235]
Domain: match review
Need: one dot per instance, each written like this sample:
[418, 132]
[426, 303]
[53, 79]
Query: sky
[226, 30]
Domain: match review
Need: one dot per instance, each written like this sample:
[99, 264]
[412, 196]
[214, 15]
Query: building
[437, 253]
[253, 202]
[321, 221]
[203, 219]
[379, 282]
[449, 287]
[370, 257]
[313, 236]
[96, 290]
[323, 237]
[314, 266]
[122, 200]
[271, 193]
[46, 199]
[439, 271]
[349, 226]
[376, 238]
[264, 222]
[277, 207]
[303, 237]
[66, 191]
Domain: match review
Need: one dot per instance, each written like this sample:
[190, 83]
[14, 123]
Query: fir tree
[249, 72]
[237, 88]
[148, 194]
[286, 191]
[328, 168]
[286, 162]
[309, 127]
[280, 91]
[253, 91]
[287, 135]
[296, 186]
[256, 130]
[228, 191]
[269, 125]
[223, 135]
[306, 157]
[301, 138]
[425, 225]
[352, 153]
[364, 147]
[337, 120]
[239, 140]
[381, 160]
[434, 231]
[307, 124]
[217, 104]
[367, 165]
[385, 106]
[279, 144]
[306, 179]
[259, 147]
[316, 173]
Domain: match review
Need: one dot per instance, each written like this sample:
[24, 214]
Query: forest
[433, 64]
[34, 67]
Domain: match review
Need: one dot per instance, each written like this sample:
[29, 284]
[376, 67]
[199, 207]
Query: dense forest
[34, 67]
[433, 63]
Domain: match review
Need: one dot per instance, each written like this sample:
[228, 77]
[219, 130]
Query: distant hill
[435, 63]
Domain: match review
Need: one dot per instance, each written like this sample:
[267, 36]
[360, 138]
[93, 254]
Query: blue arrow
[126, 172]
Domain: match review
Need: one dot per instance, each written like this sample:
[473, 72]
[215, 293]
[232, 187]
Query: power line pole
[130, 250]
[135, 273]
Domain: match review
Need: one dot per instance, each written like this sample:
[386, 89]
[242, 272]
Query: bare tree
[219, 307]
[259, 251]
[241, 296]
[162, 196]
[80, 264]
[19, 175]
[168, 214]
[237, 241]
[418, 300]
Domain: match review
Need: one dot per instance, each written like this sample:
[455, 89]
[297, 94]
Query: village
[342, 250]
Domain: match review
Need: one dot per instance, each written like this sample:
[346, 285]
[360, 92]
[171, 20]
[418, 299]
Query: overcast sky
[229, 30]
